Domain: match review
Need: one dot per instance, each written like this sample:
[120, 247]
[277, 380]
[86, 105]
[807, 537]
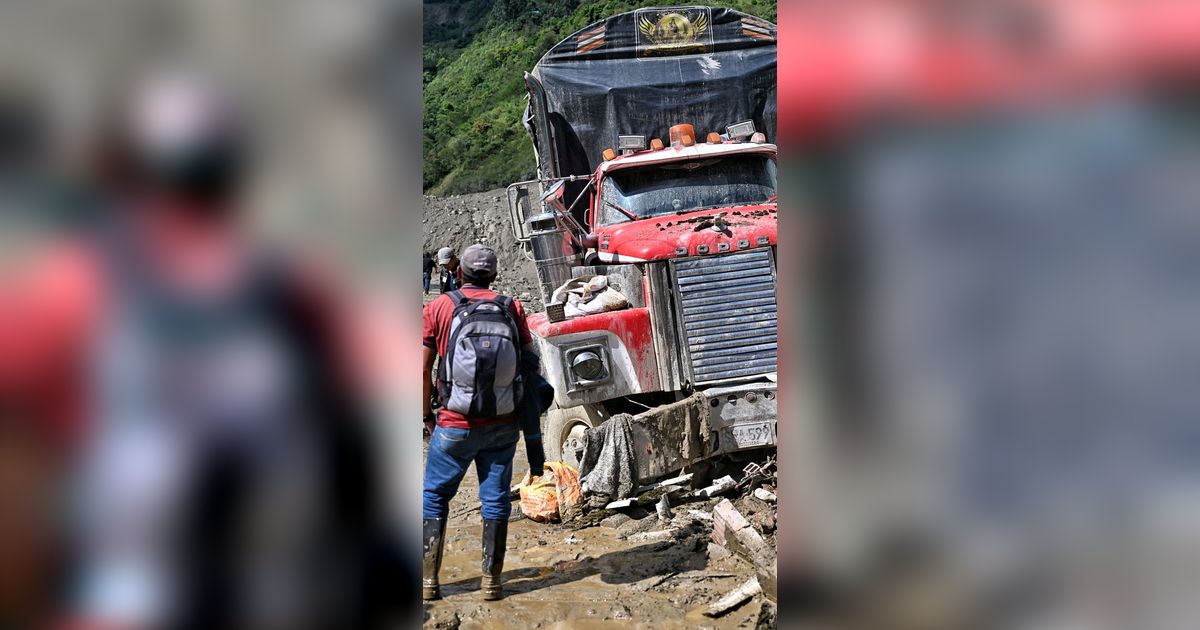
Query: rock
[660, 535]
[765, 522]
[764, 495]
[717, 552]
[768, 617]
[723, 484]
[636, 525]
[616, 520]
[664, 509]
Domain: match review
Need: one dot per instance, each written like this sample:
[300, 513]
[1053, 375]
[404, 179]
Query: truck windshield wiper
[623, 211]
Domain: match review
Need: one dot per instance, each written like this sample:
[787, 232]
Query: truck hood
[710, 231]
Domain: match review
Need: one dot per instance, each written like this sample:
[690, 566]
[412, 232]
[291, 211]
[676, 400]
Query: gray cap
[444, 255]
[479, 260]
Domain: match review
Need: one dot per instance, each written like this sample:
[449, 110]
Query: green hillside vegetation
[475, 54]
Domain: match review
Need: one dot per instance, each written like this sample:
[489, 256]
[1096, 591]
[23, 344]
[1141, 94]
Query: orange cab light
[683, 135]
[609, 154]
[758, 137]
[656, 144]
[714, 137]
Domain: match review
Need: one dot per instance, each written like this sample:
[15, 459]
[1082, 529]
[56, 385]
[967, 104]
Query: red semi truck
[655, 170]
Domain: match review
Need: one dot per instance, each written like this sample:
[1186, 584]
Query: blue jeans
[425, 280]
[451, 452]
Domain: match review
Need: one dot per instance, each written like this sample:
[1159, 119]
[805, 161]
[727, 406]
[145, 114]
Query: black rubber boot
[495, 539]
[433, 535]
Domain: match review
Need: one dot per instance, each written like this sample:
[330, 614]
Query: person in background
[483, 345]
[427, 266]
[450, 274]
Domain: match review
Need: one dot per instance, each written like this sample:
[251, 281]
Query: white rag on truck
[586, 295]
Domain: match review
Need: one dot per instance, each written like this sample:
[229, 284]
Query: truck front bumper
[712, 422]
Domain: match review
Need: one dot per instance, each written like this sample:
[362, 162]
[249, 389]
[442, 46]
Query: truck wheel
[562, 436]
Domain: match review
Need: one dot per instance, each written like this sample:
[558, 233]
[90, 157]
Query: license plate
[747, 435]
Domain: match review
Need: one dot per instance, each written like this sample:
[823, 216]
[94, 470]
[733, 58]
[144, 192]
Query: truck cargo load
[643, 71]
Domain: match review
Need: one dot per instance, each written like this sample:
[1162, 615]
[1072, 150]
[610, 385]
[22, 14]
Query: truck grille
[727, 307]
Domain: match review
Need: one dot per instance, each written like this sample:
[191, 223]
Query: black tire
[562, 430]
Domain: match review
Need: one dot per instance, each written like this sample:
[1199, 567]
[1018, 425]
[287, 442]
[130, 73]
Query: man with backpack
[484, 349]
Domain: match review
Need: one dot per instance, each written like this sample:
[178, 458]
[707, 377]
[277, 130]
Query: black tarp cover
[641, 72]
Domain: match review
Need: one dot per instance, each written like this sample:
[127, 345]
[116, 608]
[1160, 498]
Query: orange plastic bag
[545, 499]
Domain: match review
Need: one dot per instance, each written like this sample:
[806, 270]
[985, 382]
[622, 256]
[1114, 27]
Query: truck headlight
[588, 365]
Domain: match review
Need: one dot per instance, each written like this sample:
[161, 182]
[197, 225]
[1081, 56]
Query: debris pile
[732, 520]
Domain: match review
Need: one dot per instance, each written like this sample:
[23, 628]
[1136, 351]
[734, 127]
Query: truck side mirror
[554, 197]
[524, 201]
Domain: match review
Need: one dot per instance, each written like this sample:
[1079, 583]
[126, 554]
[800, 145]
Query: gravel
[460, 220]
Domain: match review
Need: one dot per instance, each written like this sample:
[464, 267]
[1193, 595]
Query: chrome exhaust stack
[554, 252]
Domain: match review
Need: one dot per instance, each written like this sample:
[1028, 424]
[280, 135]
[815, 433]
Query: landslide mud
[460, 220]
[622, 572]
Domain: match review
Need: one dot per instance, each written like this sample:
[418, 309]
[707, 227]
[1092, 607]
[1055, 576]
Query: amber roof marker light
[683, 135]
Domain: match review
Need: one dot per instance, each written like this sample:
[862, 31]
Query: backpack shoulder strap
[458, 297]
[510, 313]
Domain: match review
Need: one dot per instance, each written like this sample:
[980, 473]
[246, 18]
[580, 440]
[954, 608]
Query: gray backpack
[480, 375]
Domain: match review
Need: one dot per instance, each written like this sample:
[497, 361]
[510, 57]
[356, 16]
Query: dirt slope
[460, 220]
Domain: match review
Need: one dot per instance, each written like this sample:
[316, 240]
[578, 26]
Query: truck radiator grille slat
[759, 344]
[725, 324]
[733, 314]
[728, 310]
[753, 335]
[742, 369]
[761, 351]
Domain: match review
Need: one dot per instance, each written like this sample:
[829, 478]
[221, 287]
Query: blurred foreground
[198, 349]
[994, 317]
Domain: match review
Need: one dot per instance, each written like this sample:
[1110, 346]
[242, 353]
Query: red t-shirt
[435, 333]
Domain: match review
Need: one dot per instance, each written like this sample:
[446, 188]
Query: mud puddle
[621, 573]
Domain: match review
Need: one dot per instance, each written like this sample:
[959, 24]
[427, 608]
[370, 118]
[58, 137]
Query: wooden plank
[673, 481]
[734, 598]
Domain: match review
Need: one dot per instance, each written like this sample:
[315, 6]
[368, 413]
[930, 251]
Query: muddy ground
[616, 573]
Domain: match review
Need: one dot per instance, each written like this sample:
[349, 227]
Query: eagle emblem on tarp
[673, 31]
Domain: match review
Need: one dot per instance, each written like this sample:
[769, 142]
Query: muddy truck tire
[562, 432]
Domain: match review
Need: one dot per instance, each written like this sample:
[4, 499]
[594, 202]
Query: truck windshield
[658, 189]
